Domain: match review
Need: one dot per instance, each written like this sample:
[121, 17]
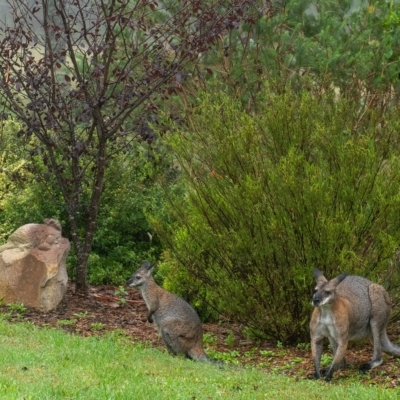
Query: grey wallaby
[349, 308]
[178, 323]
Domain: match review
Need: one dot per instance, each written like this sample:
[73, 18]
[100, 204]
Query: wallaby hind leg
[376, 328]
[197, 353]
[387, 346]
[380, 314]
[170, 342]
[177, 336]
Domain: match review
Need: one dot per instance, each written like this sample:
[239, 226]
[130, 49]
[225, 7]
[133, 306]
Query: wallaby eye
[327, 292]
[137, 277]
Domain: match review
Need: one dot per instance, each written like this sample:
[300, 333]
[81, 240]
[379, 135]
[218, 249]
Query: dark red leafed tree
[77, 73]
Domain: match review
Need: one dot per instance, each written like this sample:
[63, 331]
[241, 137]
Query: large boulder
[33, 266]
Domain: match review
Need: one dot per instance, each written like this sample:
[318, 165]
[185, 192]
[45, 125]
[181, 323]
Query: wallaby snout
[349, 308]
[316, 300]
[177, 322]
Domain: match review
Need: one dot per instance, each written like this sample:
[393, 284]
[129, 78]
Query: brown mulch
[101, 311]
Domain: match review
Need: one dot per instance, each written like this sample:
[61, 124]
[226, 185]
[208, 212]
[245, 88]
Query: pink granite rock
[33, 266]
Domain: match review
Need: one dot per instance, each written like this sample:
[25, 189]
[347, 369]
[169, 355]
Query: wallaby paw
[324, 371]
[364, 368]
[315, 376]
[342, 364]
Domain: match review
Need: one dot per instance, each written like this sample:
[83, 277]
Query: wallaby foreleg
[150, 316]
[334, 347]
[337, 359]
[316, 351]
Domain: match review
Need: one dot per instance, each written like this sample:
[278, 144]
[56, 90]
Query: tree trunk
[81, 283]
[83, 255]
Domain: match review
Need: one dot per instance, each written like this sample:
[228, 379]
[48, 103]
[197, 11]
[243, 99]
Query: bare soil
[101, 310]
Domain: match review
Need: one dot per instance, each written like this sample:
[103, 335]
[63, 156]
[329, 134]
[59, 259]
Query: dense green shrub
[305, 182]
[22, 198]
[124, 236]
[121, 240]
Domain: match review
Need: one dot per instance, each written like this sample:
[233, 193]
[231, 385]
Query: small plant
[267, 353]
[326, 359]
[230, 339]
[81, 315]
[121, 293]
[263, 364]
[304, 346]
[17, 307]
[296, 360]
[5, 316]
[118, 335]
[66, 322]
[97, 326]
[279, 345]
[250, 353]
[228, 357]
[210, 338]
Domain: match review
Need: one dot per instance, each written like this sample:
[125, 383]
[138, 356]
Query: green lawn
[42, 364]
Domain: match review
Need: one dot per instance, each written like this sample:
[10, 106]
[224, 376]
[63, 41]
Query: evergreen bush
[305, 181]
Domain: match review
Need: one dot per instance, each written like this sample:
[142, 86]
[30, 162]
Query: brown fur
[178, 323]
[349, 308]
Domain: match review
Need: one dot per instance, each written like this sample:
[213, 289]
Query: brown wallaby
[178, 323]
[349, 308]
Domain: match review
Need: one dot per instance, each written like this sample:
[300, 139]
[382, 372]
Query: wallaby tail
[201, 356]
[218, 364]
[389, 347]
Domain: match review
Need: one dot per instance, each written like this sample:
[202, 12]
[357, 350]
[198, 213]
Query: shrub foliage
[122, 238]
[304, 182]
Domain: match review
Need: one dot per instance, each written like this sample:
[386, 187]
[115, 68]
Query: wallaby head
[325, 291]
[140, 276]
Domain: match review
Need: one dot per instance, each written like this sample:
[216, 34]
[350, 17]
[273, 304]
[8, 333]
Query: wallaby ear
[319, 276]
[146, 264]
[338, 279]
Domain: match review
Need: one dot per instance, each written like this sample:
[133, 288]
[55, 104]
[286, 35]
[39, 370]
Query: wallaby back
[349, 308]
[356, 290]
[178, 323]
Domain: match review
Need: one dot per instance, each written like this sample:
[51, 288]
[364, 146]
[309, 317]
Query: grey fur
[349, 308]
[177, 322]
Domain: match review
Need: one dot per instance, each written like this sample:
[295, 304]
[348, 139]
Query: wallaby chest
[326, 323]
[149, 299]
[326, 317]
[339, 319]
